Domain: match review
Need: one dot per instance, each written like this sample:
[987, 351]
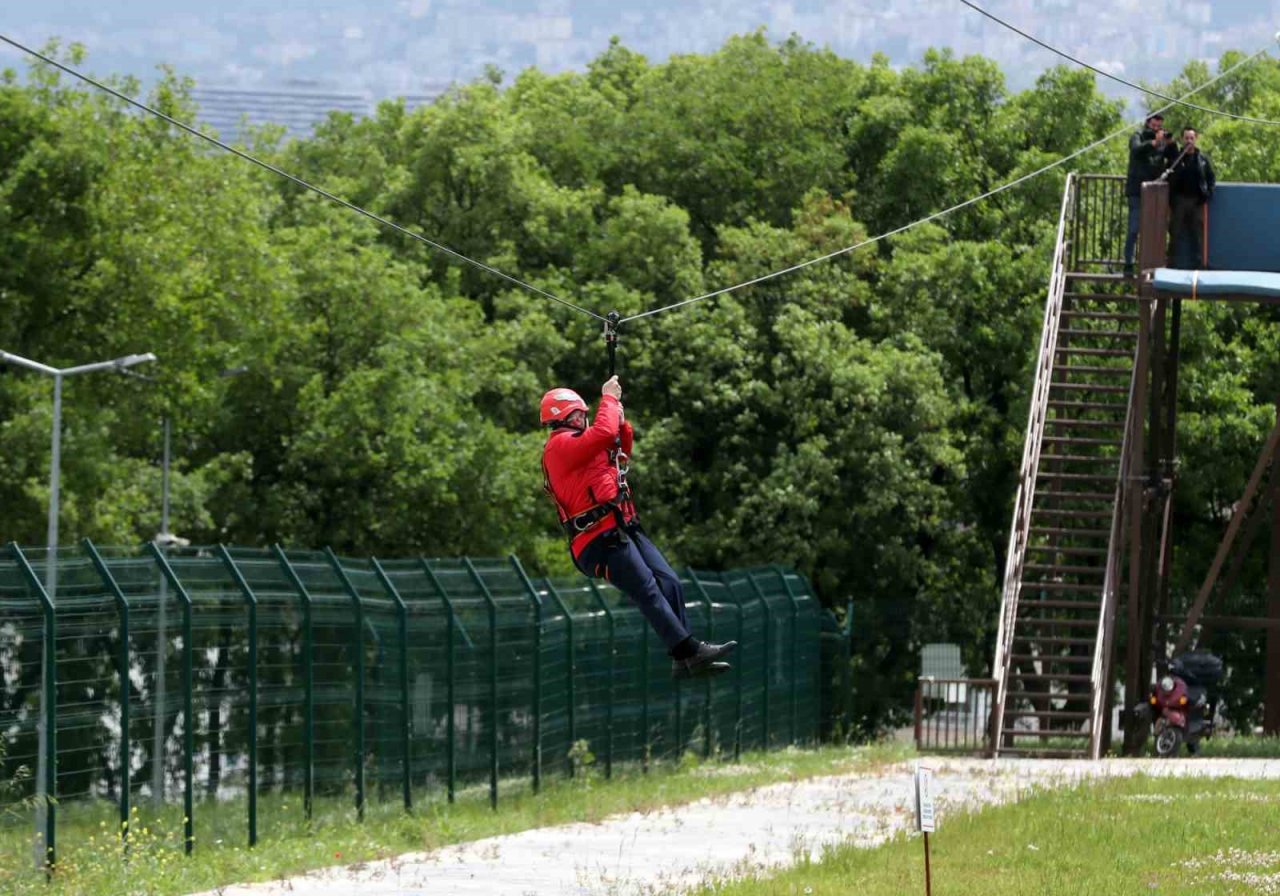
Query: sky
[385, 48]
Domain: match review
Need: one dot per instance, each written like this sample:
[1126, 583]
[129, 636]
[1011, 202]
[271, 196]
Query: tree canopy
[860, 418]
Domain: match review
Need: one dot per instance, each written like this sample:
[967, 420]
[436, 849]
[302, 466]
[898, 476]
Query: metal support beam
[493, 679]
[402, 626]
[535, 710]
[251, 605]
[122, 673]
[765, 643]
[1136, 676]
[452, 628]
[1237, 517]
[708, 723]
[308, 682]
[569, 672]
[1271, 674]
[188, 708]
[357, 666]
[49, 769]
[612, 673]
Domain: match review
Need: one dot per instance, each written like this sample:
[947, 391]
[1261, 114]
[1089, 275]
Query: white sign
[924, 799]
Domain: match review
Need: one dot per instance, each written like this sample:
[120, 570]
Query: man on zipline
[584, 467]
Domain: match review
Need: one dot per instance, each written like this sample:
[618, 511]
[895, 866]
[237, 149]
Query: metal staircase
[1052, 663]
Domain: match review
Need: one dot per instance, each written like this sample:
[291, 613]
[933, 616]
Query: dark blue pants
[1131, 237]
[638, 568]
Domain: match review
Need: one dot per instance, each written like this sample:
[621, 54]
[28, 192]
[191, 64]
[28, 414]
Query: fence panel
[227, 692]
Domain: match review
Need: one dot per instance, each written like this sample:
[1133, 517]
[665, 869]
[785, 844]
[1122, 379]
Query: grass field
[1121, 836]
[1187, 837]
[92, 863]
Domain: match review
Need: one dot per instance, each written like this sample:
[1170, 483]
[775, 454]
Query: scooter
[1180, 703]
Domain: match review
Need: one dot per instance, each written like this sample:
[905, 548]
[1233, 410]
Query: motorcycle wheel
[1168, 740]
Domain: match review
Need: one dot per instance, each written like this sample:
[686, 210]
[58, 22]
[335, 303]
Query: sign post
[925, 819]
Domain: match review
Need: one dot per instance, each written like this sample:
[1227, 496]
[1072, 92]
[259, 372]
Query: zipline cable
[299, 181]
[1035, 40]
[936, 215]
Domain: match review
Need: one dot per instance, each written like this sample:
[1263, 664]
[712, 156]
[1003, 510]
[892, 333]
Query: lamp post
[164, 540]
[51, 560]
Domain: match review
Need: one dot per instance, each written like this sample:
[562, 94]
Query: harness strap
[590, 518]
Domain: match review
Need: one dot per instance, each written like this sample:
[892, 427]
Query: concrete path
[673, 850]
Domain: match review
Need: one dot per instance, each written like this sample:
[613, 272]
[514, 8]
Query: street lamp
[51, 561]
[165, 540]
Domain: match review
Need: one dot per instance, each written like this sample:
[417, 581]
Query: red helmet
[558, 404]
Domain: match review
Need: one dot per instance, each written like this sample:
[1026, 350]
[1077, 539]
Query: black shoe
[706, 670]
[1128, 270]
[706, 661]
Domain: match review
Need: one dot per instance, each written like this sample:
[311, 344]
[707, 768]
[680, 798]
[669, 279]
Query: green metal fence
[205, 677]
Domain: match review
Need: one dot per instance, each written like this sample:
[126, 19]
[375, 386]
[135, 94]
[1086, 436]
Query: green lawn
[1125, 836]
[91, 861]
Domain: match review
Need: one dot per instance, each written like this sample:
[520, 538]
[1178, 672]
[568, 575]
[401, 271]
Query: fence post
[764, 666]
[450, 751]
[122, 671]
[308, 682]
[536, 599]
[846, 673]
[357, 665]
[402, 620]
[645, 744]
[188, 710]
[737, 676]
[493, 680]
[795, 642]
[569, 659]
[608, 717]
[50, 656]
[251, 603]
[711, 629]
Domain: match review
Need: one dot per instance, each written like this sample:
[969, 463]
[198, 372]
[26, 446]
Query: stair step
[1093, 352]
[1092, 276]
[1074, 570]
[1079, 496]
[1023, 621]
[1054, 530]
[1089, 387]
[1073, 314]
[1079, 515]
[1070, 550]
[1066, 642]
[1051, 658]
[1048, 603]
[1075, 476]
[1106, 333]
[1077, 423]
[1079, 440]
[1116, 406]
[1079, 679]
[1032, 753]
[1081, 458]
[1045, 695]
[1047, 714]
[1061, 587]
[1092, 368]
[1052, 734]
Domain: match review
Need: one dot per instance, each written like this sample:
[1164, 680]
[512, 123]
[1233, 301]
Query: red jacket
[579, 471]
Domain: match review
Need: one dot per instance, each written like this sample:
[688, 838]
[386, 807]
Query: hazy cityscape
[362, 52]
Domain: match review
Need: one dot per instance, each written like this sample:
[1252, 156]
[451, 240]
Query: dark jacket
[1146, 162]
[1193, 176]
